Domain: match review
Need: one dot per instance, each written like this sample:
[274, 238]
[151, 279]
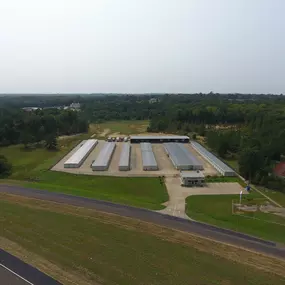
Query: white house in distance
[75, 106]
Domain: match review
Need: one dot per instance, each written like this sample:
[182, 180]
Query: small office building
[192, 178]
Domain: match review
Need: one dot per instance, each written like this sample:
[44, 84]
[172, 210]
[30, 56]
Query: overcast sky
[137, 46]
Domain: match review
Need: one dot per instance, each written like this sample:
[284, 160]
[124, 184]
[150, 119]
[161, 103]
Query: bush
[5, 167]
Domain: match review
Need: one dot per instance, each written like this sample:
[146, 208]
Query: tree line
[27, 128]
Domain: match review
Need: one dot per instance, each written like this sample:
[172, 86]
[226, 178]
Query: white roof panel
[125, 155]
[191, 174]
[180, 155]
[158, 137]
[81, 152]
[212, 158]
[104, 155]
[148, 158]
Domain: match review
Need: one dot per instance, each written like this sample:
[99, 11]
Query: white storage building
[148, 158]
[181, 157]
[220, 166]
[124, 163]
[81, 154]
[159, 139]
[104, 158]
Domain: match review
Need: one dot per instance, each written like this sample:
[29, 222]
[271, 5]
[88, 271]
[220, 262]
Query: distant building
[30, 109]
[153, 100]
[75, 106]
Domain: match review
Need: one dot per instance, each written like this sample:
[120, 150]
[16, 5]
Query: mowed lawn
[31, 169]
[107, 249]
[142, 192]
[279, 197]
[217, 210]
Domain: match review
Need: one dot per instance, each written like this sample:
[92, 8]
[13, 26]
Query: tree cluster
[18, 126]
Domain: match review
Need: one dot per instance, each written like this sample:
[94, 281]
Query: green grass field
[217, 210]
[113, 250]
[136, 191]
[224, 179]
[279, 197]
[122, 127]
[232, 163]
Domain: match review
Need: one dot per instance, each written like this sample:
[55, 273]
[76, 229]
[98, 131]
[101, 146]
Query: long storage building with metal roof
[219, 165]
[103, 160]
[182, 158]
[159, 139]
[148, 158]
[124, 163]
[81, 154]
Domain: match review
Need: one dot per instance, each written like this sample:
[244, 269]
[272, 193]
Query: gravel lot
[164, 163]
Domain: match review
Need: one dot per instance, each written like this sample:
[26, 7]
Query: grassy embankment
[81, 246]
[31, 169]
[217, 210]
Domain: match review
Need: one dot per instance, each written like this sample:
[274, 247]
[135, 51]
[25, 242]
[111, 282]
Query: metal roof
[105, 154]
[211, 158]
[148, 158]
[85, 147]
[181, 156]
[159, 137]
[191, 174]
[125, 155]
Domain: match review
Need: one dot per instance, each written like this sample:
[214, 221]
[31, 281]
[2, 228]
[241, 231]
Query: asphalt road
[7, 277]
[14, 271]
[205, 230]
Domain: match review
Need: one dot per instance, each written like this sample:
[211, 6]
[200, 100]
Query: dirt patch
[236, 254]
[105, 133]
[51, 269]
[68, 137]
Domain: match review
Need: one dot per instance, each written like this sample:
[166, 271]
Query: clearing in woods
[71, 243]
[118, 128]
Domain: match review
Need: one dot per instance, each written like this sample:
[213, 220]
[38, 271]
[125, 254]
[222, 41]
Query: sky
[142, 46]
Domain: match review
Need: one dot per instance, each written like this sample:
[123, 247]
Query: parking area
[164, 163]
[177, 194]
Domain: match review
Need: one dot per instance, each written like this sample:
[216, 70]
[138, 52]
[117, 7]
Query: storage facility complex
[103, 160]
[181, 158]
[124, 163]
[81, 154]
[220, 166]
[148, 158]
[192, 178]
[159, 139]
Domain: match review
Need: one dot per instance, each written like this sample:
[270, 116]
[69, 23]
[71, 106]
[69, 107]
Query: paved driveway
[178, 194]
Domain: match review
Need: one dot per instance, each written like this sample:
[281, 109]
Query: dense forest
[249, 128]
[18, 126]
